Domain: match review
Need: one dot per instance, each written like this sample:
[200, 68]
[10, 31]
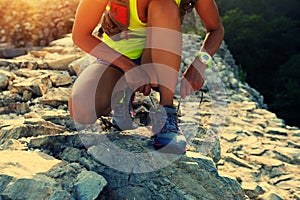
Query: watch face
[206, 57]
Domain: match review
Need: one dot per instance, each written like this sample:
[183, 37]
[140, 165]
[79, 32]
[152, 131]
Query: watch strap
[205, 58]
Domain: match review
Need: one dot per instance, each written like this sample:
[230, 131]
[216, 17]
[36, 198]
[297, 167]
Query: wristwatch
[205, 58]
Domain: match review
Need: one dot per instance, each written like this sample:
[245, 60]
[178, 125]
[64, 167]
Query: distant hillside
[263, 37]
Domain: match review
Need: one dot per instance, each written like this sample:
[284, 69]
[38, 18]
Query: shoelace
[171, 123]
[201, 99]
[108, 125]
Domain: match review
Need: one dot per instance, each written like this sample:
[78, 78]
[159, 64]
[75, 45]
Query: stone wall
[44, 155]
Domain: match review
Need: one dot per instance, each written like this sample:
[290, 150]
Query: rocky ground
[44, 155]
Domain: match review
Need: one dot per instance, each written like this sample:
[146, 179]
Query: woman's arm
[88, 15]
[209, 14]
[193, 77]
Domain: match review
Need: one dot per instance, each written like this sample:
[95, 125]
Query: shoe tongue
[170, 109]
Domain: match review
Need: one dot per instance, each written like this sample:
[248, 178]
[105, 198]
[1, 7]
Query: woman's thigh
[94, 87]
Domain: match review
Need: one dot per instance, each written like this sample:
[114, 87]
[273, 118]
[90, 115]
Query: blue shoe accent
[169, 139]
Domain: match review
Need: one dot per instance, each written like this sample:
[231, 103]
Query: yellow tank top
[132, 47]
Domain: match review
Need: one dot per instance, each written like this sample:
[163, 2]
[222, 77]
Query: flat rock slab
[56, 96]
[25, 164]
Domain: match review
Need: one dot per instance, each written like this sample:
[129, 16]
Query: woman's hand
[138, 80]
[192, 79]
[136, 77]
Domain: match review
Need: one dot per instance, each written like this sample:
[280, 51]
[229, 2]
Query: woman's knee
[81, 111]
[85, 111]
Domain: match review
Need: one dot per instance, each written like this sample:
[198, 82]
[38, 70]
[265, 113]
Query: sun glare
[35, 22]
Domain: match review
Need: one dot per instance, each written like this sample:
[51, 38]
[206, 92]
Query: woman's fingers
[147, 89]
[183, 88]
[186, 88]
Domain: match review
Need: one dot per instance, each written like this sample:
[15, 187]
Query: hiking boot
[168, 136]
[123, 112]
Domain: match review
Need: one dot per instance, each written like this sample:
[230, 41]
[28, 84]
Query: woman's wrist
[204, 58]
[123, 63]
[199, 66]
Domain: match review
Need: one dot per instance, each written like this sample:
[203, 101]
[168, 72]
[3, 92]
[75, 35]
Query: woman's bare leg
[166, 45]
[92, 92]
